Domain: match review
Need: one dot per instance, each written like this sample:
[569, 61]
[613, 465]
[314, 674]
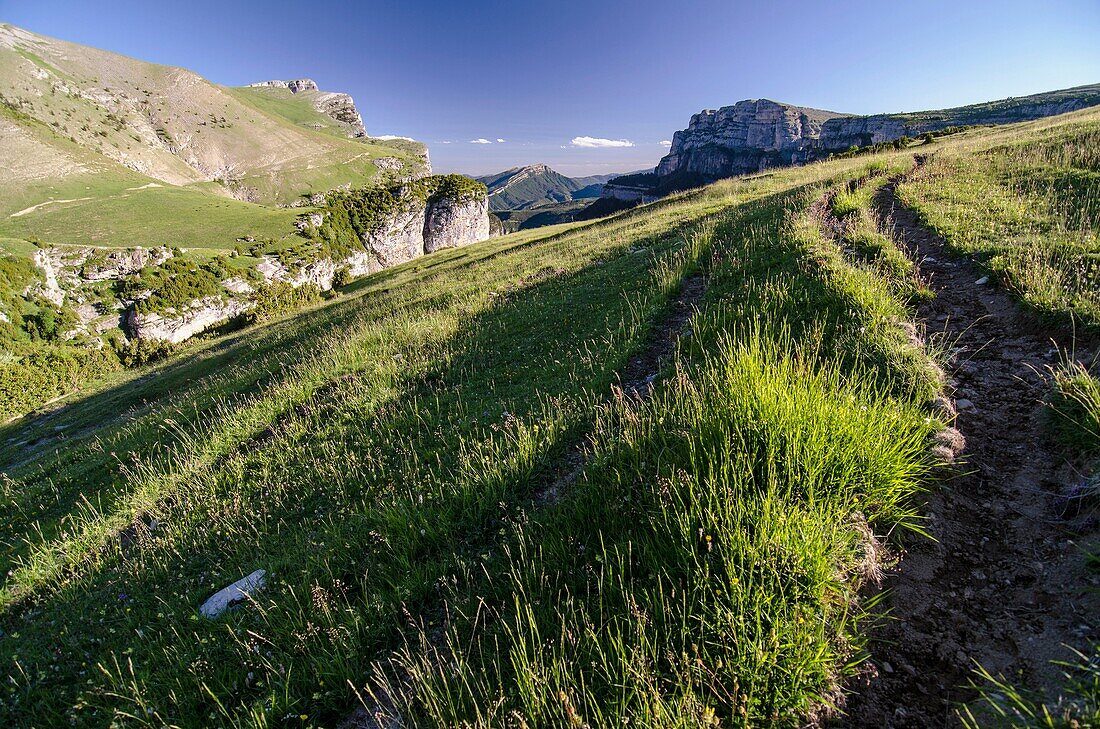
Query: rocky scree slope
[758, 134]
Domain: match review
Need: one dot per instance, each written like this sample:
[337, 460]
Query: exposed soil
[1003, 585]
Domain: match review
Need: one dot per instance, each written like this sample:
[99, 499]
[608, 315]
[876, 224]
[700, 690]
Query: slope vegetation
[634, 472]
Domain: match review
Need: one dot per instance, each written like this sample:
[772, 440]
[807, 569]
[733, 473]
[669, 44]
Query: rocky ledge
[421, 217]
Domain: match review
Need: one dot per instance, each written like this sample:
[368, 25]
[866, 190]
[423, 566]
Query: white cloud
[480, 140]
[499, 140]
[665, 143]
[394, 136]
[599, 142]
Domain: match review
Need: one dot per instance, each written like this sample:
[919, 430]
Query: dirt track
[1003, 585]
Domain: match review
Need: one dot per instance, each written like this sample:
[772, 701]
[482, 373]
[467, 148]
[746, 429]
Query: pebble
[964, 404]
[982, 281]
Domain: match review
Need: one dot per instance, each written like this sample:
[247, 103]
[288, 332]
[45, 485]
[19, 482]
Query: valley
[800, 428]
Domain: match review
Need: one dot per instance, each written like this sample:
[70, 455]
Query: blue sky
[540, 75]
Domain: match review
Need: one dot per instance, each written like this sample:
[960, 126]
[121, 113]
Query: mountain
[640, 472]
[143, 204]
[524, 187]
[757, 134]
[69, 113]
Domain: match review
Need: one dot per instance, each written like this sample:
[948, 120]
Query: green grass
[1074, 408]
[867, 237]
[118, 216]
[1005, 705]
[383, 453]
[295, 108]
[1027, 205]
[393, 459]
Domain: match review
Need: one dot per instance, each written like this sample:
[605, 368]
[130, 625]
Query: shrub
[137, 352]
[342, 278]
[279, 297]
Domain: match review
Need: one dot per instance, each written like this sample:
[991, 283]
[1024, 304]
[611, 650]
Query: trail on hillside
[1003, 585]
[636, 380]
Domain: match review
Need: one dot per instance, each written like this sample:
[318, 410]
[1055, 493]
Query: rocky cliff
[758, 134]
[338, 106]
[744, 138]
[357, 231]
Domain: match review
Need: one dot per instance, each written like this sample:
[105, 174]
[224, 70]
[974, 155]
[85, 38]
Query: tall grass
[1075, 408]
[1029, 208]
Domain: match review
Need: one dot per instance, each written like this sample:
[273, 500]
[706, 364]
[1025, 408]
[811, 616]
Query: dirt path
[1003, 585]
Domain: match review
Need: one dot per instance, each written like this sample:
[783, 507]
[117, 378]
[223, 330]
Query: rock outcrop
[341, 107]
[295, 85]
[758, 134]
[179, 326]
[336, 105]
[424, 216]
[745, 138]
[451, 223]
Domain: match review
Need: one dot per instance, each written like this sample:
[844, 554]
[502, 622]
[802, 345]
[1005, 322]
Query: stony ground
[1003, 583]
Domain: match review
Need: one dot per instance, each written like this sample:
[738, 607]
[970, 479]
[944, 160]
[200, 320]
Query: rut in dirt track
[1003, 585]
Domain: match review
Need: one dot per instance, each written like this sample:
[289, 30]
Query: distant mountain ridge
[533, 185]
[758, 134]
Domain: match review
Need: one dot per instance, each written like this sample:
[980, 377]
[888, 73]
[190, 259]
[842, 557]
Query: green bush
[48, 373]
[49, 323]
[137, 352]
[279, 297]
[174, 284]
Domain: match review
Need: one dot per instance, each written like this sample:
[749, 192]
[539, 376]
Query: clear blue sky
[540, 74]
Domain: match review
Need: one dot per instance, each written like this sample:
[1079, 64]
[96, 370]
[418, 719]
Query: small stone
[887, 667]
[982, 281]
[964, 404]
[225, 598]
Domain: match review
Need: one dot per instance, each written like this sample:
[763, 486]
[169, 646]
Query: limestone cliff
[758, 134]
[391, 226]
[744, 138]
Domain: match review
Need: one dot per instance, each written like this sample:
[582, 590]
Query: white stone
[225, 598]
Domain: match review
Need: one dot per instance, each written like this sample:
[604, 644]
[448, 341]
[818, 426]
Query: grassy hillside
[1028, 206]
[169, 125]
[467, 514]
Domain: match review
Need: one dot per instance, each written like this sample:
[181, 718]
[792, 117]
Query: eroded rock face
[757, 134]
[421, 224]
[117, 264]
[453, 223]
[341, 107]
[745, 138]
[401, 238]
[295, 85]
[176, 327]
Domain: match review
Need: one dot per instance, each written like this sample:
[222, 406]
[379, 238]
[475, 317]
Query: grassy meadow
[385, 456]
[1026, 202]
[463, 518]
